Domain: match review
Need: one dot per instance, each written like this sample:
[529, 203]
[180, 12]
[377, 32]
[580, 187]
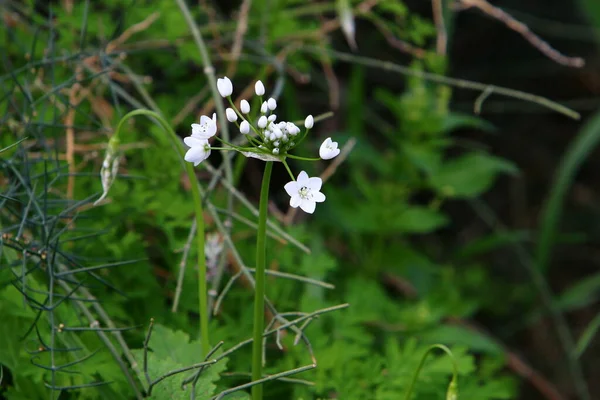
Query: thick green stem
[259, 290]
[202, 287]
[452, 393]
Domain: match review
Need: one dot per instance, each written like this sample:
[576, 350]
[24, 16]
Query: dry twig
[523, 30]
[240, 32]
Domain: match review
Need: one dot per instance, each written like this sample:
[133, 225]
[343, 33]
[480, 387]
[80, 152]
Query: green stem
[259, 290]
[202, 287]
[453, 388]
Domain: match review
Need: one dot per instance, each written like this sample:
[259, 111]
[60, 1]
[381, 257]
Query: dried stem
[523, 30]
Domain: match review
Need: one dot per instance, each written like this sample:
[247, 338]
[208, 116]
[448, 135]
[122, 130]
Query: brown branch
[74, 100]
[440, 27]
[132, 30]
[240, 32]
[523, 30]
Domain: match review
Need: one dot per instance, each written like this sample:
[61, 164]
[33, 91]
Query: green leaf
[579, 150]
[417, 219]
[458, 335]
[583, 293]
[492, 242]
[12, 145]
[469, 175]
[457, 121]
[591, 10]
[172, 350]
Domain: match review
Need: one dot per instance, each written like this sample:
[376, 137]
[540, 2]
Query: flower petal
[315, 183]
[195, 154]
[193, 141]
[308, 206]
[291, 188]
[318, 197]
[302, 176]
[295, 201]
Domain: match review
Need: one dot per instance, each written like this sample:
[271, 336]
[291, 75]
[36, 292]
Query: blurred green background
[458, 215]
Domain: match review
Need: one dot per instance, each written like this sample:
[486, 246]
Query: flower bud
[262, 122]
[231, 115]
[245, 127]
[452, 393]
[309, 122]
[272, 117]
[259, 88]
[275, 151]
[224, 86]
[244, 107]
[272, 104]
[264, 108]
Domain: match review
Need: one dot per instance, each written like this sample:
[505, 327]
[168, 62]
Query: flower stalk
[108, 174]
[452, 392]
[259, 291]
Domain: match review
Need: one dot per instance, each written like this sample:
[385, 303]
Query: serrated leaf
[172, 350]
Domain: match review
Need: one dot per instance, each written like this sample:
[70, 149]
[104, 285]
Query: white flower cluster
[268, 140]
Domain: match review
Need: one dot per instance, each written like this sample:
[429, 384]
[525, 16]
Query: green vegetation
[104, 299]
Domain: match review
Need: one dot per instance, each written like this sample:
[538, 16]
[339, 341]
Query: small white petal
[259, 88]
[264, 107]
[224, 86]
[291, 188]
[245, 127]
[295, 201]
[262, 122]
[318, 197]
[302, 176]
[308, 206]
[231, 115]
[244, 106]
[314, 183]
[309, 122]
[272, 117]
[272, 104]
[192, 141]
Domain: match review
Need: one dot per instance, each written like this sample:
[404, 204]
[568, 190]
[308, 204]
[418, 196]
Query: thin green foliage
[79, 283]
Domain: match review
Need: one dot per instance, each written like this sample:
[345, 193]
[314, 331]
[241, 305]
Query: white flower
[291, 128]
[275, 151]
[272, 118]
[231, 115]
[199, 149]
[225, 86]
[245, 127]
[259, 88]
[244, 106]
[264, 107]
[272, 104]
[262, 122]
[305, 192]
[206, 128]
[328, 149]
[309, 122]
